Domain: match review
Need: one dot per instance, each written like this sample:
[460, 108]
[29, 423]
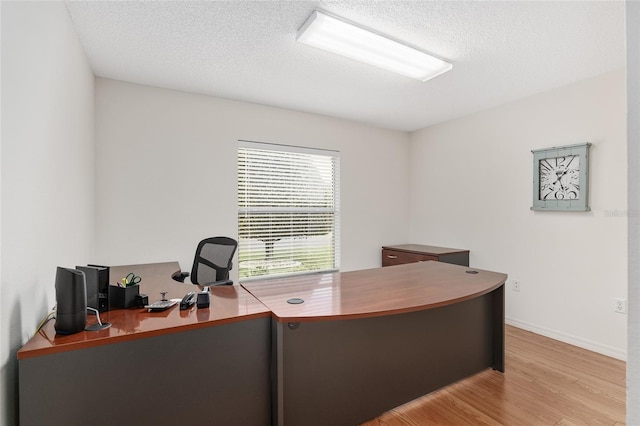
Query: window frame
[334, 211]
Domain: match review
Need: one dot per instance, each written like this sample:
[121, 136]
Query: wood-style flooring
[546, 382]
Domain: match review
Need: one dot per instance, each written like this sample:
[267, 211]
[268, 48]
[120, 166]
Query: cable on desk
[51, 315]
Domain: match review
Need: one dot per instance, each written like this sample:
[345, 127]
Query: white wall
[471, 183]
[633, 126]
[167, 173]
[47, 172]
[4, 382]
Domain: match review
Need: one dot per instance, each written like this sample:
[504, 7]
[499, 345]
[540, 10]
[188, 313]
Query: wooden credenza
[410, 253]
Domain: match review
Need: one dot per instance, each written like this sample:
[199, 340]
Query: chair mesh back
[213, 260]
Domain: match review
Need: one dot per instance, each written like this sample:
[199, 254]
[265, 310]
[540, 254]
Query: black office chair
[212, 263]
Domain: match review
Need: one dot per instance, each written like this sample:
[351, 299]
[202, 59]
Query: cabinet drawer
[392, 257]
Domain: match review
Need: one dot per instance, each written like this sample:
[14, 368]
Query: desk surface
[373, 292]
[356, 294]
[228, 304]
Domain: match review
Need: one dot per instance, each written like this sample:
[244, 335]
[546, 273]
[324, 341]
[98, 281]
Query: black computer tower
[97, 286]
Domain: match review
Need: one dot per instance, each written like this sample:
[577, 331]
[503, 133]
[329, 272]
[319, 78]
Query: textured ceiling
[246, 50]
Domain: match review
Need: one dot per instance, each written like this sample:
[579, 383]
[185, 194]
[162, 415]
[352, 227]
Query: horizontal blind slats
[287, 212]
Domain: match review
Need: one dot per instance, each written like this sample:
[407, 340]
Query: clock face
[560, 178]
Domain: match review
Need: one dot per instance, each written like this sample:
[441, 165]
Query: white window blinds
[288, 210]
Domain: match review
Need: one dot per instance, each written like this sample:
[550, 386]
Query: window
[288, 210]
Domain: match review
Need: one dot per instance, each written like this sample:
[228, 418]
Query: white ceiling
[246, 50]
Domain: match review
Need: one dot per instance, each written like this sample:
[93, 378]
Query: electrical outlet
[620, 306]
[516, 286]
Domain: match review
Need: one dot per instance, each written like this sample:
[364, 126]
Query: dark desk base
[347, 372]
[213, 375]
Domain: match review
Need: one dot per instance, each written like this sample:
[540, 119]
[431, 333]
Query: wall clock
[561, 178]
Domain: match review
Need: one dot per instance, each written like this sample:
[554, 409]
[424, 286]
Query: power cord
[51, 315]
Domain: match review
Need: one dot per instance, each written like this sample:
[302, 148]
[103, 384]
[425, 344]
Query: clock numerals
[560, 178]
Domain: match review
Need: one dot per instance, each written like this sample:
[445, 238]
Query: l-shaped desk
[359, 344]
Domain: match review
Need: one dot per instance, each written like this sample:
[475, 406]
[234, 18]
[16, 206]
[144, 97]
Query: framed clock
[561, 178]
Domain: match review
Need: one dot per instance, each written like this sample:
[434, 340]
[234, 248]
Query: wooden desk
[364, 342]
[171, 367]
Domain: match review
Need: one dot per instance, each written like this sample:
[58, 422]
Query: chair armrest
[217, 283]
[179, 276]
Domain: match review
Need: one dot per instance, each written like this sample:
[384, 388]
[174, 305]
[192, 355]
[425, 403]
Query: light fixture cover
[343, 38]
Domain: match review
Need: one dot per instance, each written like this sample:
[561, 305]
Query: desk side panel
[498, 328]
[214, 375]
[461, 258]
[346, 372]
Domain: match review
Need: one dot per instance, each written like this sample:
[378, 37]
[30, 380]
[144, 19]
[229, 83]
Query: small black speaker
[91, 281]
[71, 300]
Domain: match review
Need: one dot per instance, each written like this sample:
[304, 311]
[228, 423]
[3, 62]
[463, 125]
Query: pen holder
[123, 297]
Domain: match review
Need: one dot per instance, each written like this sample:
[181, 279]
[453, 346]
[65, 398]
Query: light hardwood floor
[546, 382]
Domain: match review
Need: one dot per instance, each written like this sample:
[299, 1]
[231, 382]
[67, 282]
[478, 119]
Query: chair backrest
[213, 260]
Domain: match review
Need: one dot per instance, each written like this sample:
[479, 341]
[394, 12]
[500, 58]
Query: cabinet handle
[392, 257]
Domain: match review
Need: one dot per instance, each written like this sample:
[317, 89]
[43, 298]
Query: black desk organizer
[123, 297]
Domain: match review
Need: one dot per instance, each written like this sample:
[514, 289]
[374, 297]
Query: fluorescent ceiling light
[336, 36]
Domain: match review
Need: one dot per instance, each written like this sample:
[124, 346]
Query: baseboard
[570, 339]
